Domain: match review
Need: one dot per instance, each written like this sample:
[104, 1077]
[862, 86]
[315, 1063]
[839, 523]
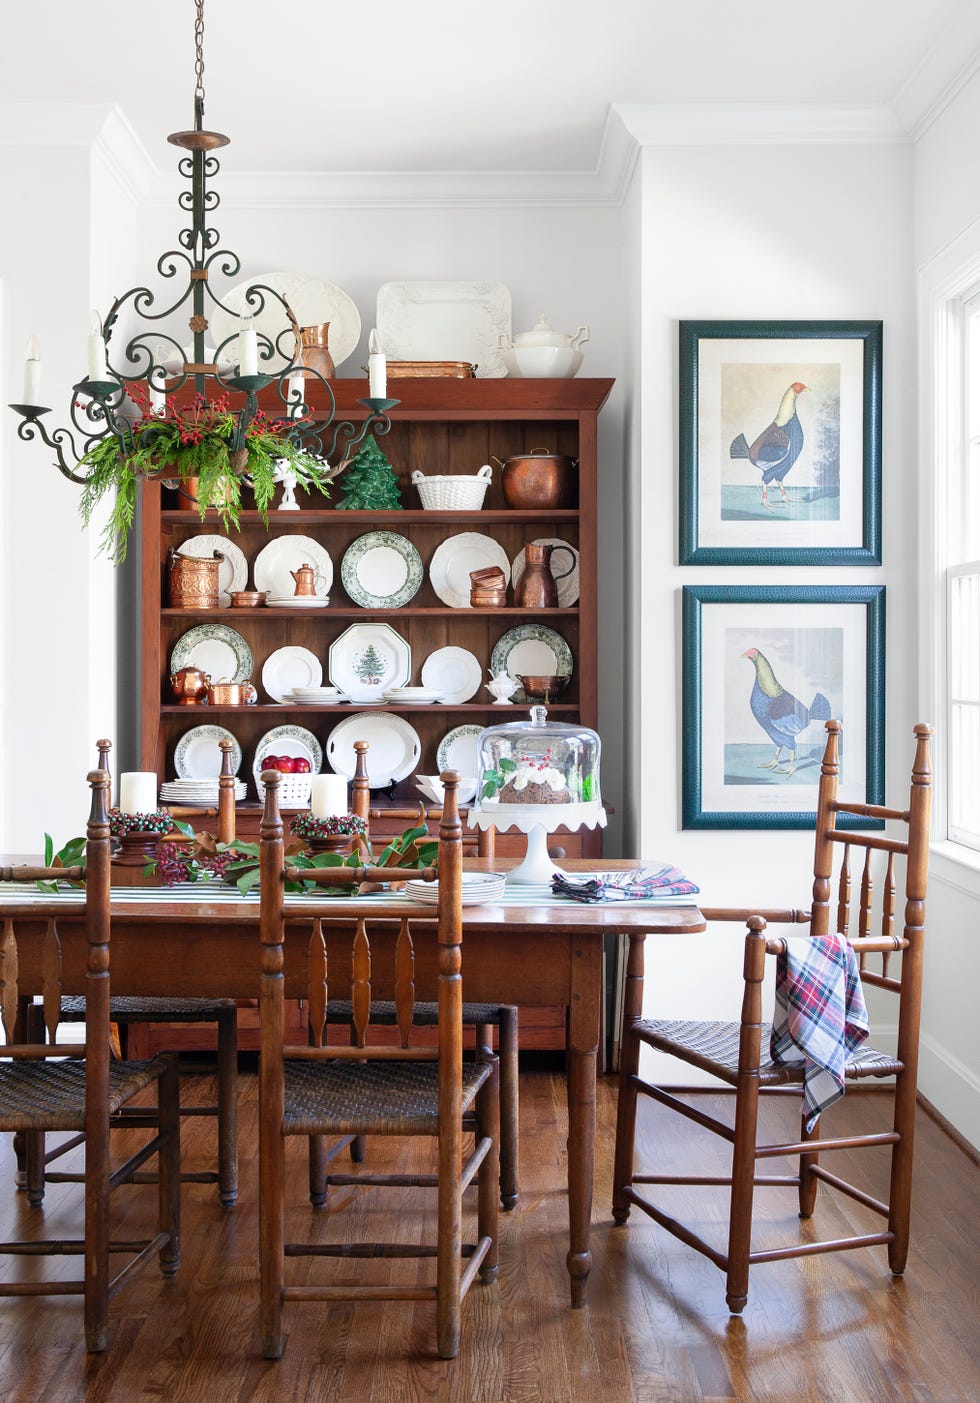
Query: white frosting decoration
[533, 774]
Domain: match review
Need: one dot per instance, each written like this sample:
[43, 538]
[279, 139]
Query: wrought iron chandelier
[101, 403]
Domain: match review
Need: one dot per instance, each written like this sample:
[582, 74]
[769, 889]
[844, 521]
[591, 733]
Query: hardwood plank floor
[656, 1329]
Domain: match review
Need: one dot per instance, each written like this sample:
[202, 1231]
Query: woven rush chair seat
[51, 1096]
[714, 1047]
[129, 1009]
[346, 1099]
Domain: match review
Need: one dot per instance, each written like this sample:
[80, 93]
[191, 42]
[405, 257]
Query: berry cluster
[337, 825]
[175, 864]
[120, 824]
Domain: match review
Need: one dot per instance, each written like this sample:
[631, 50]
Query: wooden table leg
[583, 1045]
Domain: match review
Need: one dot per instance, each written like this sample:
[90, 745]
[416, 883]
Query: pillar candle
[138, 792]
[377, 369]
[97, 369]
[248, 349]
[296, 395]
[329, 796]
[32, 373]
[158, 383]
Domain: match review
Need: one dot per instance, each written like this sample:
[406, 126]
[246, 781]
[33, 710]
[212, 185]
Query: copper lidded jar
[539, 479]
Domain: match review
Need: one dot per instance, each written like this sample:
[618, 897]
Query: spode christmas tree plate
[367, 659]
[381, 570]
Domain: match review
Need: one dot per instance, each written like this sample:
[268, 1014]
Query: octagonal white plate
[312, 302]
[232, 571]
[367, 659]
[455, 557]
[393, 747]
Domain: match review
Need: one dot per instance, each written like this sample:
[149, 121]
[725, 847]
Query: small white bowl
[431, 787]
[543, 362]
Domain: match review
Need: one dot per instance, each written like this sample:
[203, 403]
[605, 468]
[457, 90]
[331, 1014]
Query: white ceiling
[425, 85]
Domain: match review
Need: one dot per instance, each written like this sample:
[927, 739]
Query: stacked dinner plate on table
[479, 889]
[195, 791]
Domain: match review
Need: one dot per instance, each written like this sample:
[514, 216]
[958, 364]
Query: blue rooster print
[778, 446]
[779, 713]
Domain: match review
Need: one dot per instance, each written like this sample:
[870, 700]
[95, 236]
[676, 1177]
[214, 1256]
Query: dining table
[531, 948]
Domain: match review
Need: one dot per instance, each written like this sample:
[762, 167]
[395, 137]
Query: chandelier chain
[199, 50]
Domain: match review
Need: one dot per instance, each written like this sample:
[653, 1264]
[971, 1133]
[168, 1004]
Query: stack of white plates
[316, 696]
[299, 601]
[411, 696]
[195, 791]
[479, 889]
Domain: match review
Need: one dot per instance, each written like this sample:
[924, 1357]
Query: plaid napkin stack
[820, 1016]
[640, 884]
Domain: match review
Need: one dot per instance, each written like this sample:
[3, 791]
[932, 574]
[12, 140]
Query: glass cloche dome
[536, 776]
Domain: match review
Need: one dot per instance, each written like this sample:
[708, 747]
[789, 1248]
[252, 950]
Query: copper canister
[193, 581]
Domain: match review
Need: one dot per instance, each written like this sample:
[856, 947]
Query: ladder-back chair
[48, 1086]
[369, 1088]
[738, 1053]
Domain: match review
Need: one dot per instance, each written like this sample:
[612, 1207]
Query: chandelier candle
[32, 372]
[97, 369]
[138, 792]
[328, 796]
[377, 368]
[248, 349]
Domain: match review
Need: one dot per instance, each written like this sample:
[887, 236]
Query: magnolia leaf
[48, 849]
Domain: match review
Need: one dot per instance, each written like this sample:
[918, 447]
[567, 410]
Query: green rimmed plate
[381, 570]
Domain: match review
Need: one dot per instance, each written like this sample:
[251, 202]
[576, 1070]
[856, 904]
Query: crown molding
[760, 124]
[942, 72]
[51, 124]
[125, 156]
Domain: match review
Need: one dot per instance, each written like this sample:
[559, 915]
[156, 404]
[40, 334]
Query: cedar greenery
[194, 441]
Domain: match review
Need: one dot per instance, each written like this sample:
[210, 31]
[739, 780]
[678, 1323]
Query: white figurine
[287, 477]
[502, 687]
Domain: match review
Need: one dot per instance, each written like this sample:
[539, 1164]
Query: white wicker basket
[453, 492]
[295, 791]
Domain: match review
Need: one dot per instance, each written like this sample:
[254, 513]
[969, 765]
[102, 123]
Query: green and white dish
[531, 650]
[367, 659]
[216, 649]
[381, 570]
[197, 755]
[458, 750]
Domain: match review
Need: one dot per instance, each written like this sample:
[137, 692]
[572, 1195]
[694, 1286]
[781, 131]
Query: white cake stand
[537, 821]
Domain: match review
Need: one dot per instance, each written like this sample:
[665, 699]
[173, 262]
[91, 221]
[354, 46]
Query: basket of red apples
[296, 784]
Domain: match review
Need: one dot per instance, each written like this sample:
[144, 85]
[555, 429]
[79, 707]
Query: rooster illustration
[779, 713]
[777, 448]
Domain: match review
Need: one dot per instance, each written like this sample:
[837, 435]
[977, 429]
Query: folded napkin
[820, 1016]
[639, 884]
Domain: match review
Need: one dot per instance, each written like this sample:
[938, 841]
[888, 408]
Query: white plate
[459, 751]
[197, 755]
[367, 659]
[568, 585]
[233, 570]
[393, 747]
[216, 649]
[531, 650]
[381, 570]
[290, 667]
[414, 696]
[460, 321]
[479, 889]
[312, 303]
[455, 673]
[287, 740]
[275, 562]
[299, 601]
[455, 557]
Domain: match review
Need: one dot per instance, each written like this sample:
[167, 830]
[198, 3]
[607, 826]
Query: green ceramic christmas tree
[369, 484]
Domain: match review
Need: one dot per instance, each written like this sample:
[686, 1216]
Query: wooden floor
[656, 1329]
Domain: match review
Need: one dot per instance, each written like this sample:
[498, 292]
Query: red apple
[270, 762]
[301, 766]
[286, 765]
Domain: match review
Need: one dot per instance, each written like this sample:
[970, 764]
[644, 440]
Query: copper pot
[231, 694]
[194, 582]
[539, 479]
[190, 685]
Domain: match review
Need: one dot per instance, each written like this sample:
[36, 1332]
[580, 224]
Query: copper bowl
[542, 688]
[248, 598]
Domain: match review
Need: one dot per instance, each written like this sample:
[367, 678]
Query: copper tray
[430, 369]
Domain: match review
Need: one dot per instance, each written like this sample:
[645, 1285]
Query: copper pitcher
[538, 586]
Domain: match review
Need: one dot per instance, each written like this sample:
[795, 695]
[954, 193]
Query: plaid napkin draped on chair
[820, 1016]
[640, 884]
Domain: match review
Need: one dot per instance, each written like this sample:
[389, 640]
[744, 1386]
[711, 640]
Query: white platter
[455, 673]
[455, 557]
[568, 585]
[393, 747]
[275, 562]
[381, 570]
[445, 321]
[287, 740]
[365, 675]
[459, 751]
[197, 755]
[232, 571]
[216, 649]
[531, 649]
[312, 302]
[288, 668]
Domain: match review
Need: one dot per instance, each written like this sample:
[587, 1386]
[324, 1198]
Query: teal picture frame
[842, 621]
[722, 523]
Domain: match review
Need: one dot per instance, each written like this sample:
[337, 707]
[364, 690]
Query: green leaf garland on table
[370, 484]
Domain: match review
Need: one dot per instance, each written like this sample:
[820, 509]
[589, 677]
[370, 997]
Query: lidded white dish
[544, 353]
[544, 334]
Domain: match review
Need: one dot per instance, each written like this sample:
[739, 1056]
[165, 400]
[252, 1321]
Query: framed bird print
[764, 667]
[780, 443]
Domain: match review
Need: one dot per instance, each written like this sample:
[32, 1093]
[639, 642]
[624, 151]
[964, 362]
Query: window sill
[956, 866]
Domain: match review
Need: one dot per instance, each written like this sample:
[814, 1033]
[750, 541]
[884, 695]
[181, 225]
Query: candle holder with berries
[139, 836]
[337, 834]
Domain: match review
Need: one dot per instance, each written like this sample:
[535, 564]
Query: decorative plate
[275, 563]
[367, 659]
[393, 747]
[568, 586]
[455, 673]
[312, 303]
[445, 321]
[217, 650]
[459, 751]
[290, 667]
[452, 561]
[287, 740]
[197, 755]
[233, 570]
[381, 570]
[531, 649]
